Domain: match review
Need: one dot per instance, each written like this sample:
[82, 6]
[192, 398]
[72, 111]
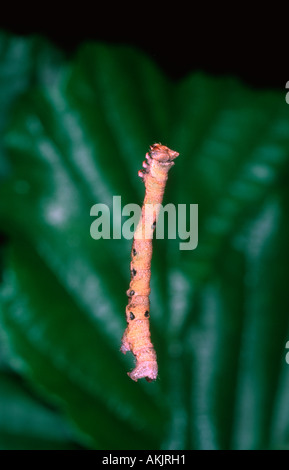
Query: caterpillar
[137, 337]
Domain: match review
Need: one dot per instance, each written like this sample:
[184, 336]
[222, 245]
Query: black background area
[233, 40]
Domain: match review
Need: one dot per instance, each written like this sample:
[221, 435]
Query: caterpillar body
[137, 337]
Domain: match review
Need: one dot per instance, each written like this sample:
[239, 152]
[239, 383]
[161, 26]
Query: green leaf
[216, 321]
[25, 424]
[24, 63]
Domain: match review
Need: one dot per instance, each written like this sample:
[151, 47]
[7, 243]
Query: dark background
[219, 40]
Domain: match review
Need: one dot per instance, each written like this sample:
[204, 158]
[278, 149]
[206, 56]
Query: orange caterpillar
[137, 338]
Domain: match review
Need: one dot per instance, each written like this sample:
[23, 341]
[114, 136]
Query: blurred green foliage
[74, 133]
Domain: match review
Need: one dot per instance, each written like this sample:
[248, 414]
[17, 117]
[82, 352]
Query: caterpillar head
[161, 154]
